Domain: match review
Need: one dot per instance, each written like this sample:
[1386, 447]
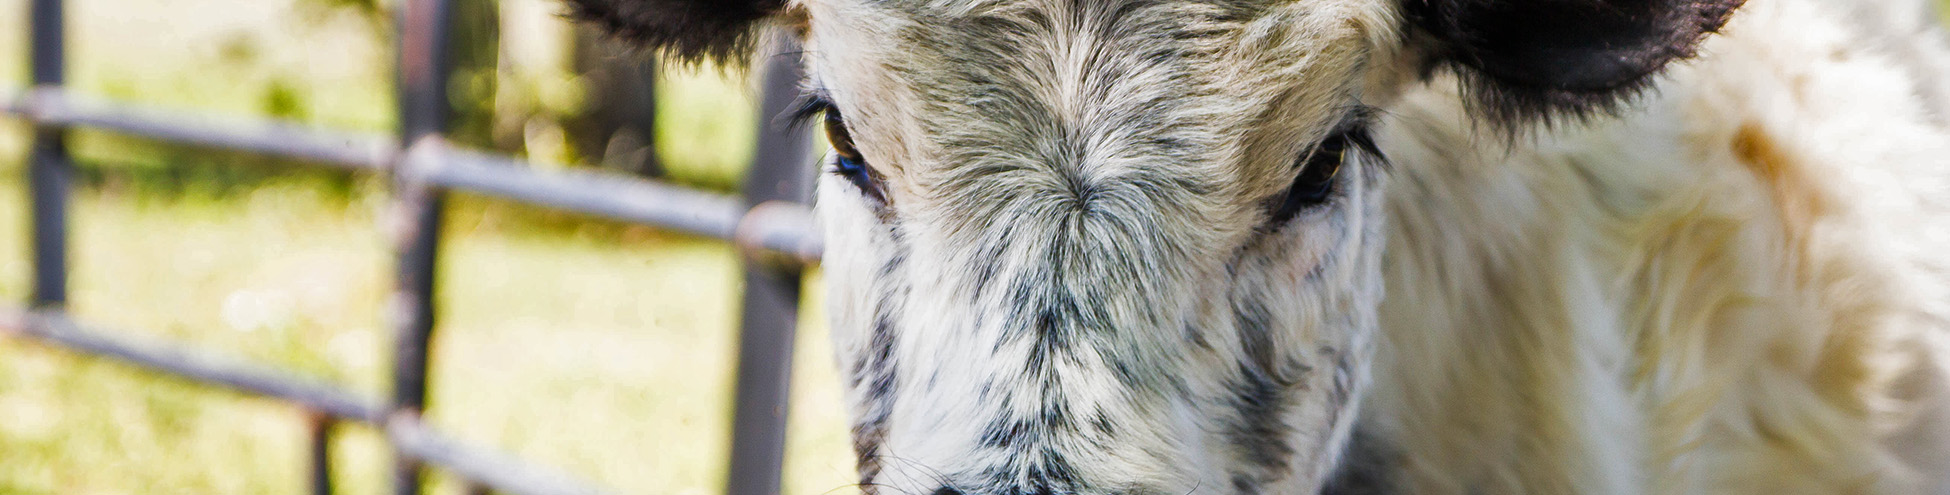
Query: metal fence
[768, 224]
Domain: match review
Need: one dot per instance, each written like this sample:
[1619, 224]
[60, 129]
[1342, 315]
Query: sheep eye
[1315, 183]
[847, 161]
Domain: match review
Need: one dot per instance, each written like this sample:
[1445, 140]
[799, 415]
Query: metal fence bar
[770, 226]
[49, 173]
[326, 405]
[318, 433]
[358, 151]
[56, 328]
[419, 213]
[606, 195]
[424, 67]
[781, 226]
[781, 171]
[502, 474]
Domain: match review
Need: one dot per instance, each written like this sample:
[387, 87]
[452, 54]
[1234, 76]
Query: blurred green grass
[600, 349]
[609, 359]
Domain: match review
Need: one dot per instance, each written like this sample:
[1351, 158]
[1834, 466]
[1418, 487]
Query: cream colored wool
[1739, 283]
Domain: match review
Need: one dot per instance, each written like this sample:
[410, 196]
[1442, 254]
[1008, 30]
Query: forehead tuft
[1071, 97]
[969, 8]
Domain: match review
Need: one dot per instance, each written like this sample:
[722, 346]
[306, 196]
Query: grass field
[606, 358]
[601, 350]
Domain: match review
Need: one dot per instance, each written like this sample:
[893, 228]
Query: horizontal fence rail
[166, 357]
[57, 107]
[770, 225]
[309, 393]
[783, 229]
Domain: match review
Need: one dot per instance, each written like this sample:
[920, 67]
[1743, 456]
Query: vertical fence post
[49, 172]
[782, 170]
[318, 431]
[424, 67]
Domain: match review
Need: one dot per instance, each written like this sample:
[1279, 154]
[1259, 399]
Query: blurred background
[599, 349]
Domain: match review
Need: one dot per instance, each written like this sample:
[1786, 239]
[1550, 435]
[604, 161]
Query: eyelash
[808, 107]
[1310, 188]
[848, 163]
[1328, 156]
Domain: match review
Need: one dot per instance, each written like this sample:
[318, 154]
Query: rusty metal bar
[781, 171]
[425, 66]
[55, 328]
[318, 433]
[499, 473]
[50, 175]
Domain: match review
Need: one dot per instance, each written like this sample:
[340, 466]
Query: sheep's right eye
[1318, 179]
[1315, 183]
[847, 161]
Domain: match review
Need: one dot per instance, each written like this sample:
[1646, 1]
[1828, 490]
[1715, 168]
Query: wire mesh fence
[769, 224]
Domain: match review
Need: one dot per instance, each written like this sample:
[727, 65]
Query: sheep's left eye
[848, 163]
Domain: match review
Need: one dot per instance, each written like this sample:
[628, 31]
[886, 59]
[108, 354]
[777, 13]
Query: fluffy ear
[686, 30]
[1532, 59]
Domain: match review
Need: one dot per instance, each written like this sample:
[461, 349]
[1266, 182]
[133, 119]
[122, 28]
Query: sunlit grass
[609, 359]
[601, 350]
[283, 59]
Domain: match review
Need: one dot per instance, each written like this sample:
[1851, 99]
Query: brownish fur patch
[1841, 369]
[1799, 199]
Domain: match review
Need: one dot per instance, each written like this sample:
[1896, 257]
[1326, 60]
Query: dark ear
[1532, 59]
[686, 30]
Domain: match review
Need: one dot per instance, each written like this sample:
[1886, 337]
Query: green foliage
[367, 8]
[372, 13]
[473, 43]
[283, 100]
[706, 126]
